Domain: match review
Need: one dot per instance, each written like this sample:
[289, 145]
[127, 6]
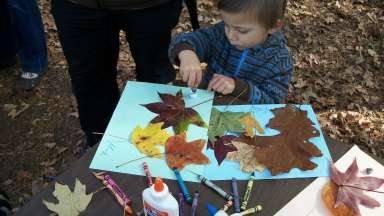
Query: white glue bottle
[158, 201]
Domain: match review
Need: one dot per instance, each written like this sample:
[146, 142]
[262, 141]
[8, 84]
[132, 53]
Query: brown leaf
[180, 153]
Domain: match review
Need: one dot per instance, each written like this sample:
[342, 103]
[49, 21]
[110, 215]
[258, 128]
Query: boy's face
[243, 31]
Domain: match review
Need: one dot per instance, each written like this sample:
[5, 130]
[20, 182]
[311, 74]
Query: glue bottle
[158, 201]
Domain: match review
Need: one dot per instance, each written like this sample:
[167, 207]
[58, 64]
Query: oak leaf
[172, 112]
[250, 122]
[246, 155]
[222, 147]
[289, 149]
[146, 139]
[70, 203]
[343, 195]
[180, 153]
[222, 122]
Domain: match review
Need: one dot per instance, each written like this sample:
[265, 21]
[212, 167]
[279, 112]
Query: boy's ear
[278, 26]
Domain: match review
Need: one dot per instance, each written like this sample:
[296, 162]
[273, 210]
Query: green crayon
[247, 193]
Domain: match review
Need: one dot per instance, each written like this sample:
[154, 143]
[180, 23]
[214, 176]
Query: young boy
[245, 53]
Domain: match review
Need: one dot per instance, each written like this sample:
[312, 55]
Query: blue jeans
[29, 34]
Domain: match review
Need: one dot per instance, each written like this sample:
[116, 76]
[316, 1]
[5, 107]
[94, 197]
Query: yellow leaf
[250, 122]
[146, 139]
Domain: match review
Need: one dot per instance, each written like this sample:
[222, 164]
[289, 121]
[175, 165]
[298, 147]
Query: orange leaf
[329, 194]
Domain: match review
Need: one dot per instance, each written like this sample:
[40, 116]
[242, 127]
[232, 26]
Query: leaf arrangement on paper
[70, 203]
[345, 191]
[279, 153]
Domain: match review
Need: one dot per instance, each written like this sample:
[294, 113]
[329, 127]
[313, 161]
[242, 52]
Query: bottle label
[150, 211]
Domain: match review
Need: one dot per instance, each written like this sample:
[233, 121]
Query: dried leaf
[329, 194]
[350, 189]
[289, 149]
[246, 155]
[70, 203]
[250, 122]
[222, 122]
[181, 153]
[172, 112]
[146, 139]
[222, 146]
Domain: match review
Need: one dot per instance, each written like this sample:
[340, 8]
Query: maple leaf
[222, 122]
[222, 146]
[180, 153]
[246, 155]
[349, 189]
[70, 203]
[172, 112]
[146, 139]
[290, 148]
[250, 122]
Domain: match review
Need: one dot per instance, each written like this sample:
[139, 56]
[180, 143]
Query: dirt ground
[338, 51]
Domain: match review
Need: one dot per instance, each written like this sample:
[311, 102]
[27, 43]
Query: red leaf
[222, 147]
[172, 112]
[351, 187]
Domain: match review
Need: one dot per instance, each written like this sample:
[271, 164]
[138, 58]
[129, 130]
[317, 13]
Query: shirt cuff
[177, 49]
[241, 87]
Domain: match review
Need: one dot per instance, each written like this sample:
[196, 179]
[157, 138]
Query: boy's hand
[190, 68]
[222, 84]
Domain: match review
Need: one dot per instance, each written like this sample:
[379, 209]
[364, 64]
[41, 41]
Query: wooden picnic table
[271, 194]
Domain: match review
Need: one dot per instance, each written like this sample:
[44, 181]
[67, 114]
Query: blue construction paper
[263, 114]
[115, 147]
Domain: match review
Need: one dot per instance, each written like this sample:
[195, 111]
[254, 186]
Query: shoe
[28, 81]
[90, 141]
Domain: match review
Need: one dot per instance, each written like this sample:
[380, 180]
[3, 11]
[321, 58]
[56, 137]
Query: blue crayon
[235, 195]
[184, 190]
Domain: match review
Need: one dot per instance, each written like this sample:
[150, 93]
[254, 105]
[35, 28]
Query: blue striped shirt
[267, 67]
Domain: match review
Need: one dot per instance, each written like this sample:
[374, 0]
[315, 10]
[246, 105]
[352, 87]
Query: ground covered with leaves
[338, 51]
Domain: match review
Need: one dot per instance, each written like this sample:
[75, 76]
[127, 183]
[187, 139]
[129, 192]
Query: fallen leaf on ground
[349, 189]
[222, 147]
[180, 153]
[146, 139]
[70, 203]
[172, 112]
[250, 122]
[222, 122]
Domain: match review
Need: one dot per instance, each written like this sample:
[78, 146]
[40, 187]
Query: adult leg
[7, 45]
[29, 35]
[91, 45]
[149, 33]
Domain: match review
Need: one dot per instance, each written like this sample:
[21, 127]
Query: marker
[184, 190]
[213, 211]
[247, 193]
[235, 195]
[181, 204]
[194, 203]
[148, 174]
[214, 187]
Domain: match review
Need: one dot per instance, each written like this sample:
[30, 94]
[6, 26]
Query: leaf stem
[130, 161]
[351, 186]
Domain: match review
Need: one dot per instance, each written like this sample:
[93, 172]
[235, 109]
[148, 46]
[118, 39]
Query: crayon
[247, 193]
[194, 203]
[181, 204]
[235, 195]
[148, 174]
[184, 190]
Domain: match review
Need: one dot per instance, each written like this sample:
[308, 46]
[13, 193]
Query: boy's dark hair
[267, 12]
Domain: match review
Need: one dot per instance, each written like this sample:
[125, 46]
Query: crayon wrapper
[115, 190]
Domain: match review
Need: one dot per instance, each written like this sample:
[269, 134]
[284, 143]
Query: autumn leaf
[70, 203]
[250, 122]
[180, 153]
[146, 139]
[172, 112]
[246, 155]
[222, 146]
[222, 122]
[349, 189]
[289, 149]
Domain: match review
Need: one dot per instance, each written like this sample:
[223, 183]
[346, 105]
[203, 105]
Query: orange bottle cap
[159, 185]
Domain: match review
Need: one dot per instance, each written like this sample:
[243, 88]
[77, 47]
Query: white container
[157, 200]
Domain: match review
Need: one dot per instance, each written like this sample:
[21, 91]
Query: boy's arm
[271, 90]
[198, 41]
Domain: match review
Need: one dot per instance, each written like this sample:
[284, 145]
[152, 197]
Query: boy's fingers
[192, 79]
[198, 78]
[185, 76]
[212, 82]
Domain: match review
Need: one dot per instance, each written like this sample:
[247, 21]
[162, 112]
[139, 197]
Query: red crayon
[148, 174]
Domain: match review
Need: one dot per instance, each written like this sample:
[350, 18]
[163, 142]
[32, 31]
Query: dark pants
[90, 40]
[7, 43]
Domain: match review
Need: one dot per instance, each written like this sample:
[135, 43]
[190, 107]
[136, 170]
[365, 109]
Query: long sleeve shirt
[264, 75]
